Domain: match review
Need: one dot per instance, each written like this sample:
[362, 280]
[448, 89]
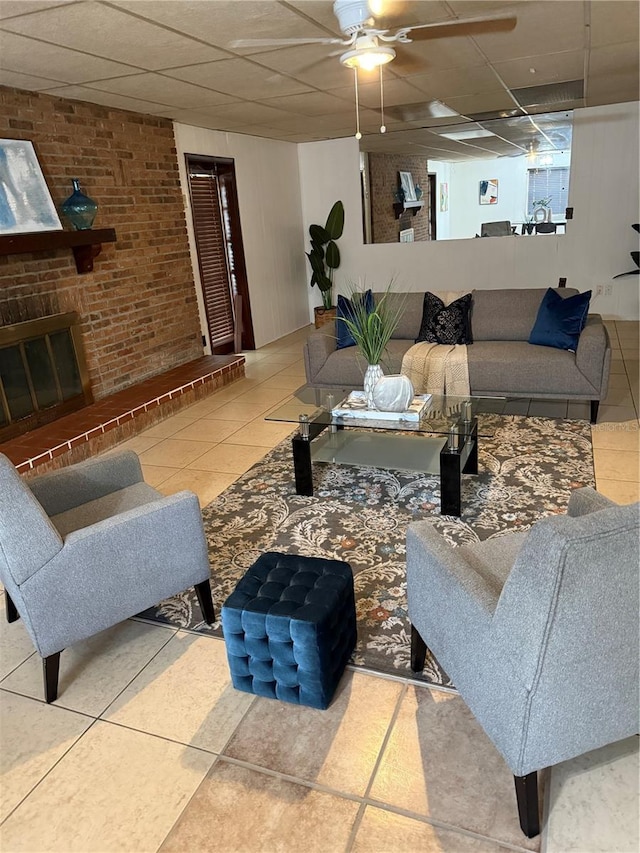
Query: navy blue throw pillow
[560, 321]
[345, 309]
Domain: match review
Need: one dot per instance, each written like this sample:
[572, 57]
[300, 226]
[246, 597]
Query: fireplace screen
[43, 373]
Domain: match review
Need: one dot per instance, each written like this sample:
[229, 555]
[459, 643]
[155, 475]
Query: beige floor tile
[296, 369]
[175, 453]
[381, 830]
[616, 465]
[337, 747]
[606, 779]
[439, 763]
[206, 484]
[617, 366]
[618, 380]
[94, 671]
[234, 411]
[270, 396]
[615, 414]
[15, 643]
[138, 444]
[618, 397]
[117, 789]
[209, 430]
[630, 351]
[620, 492]
[262, 433]
[154, 475]
[33, 737]
[243, 811]
[286, 383]
[233, 390]
[616, 436]
[204, 406]
[184, 694]
[165, 429]
[228, 459]
[263, 371]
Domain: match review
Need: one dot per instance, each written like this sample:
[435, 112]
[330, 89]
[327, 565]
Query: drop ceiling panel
[436, 55]
[395, 92]
[403, 13]
[26, 81]
[614, 59]
[549, 68]
[474, 80]
[233, 75]
[11, 8]
[83, 93]
[100, 30]
[247, 112]
[320, 11]
[162, 90]
[471, 104]
[611, 25]
[310, 64]
[45, 60]
[221, 21]
[544, 26]
[312, 104]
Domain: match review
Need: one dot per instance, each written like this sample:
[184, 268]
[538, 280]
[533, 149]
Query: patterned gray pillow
[442, 324]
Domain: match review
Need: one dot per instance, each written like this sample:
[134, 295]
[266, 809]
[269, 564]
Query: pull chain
[358, 134]
[383, 129]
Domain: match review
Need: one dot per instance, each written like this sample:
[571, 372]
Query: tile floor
[149, 748]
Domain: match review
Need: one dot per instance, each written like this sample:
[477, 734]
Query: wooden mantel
[86, 245]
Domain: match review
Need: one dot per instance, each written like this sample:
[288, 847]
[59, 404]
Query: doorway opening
[218, 236]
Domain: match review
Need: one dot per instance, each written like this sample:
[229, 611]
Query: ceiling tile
[222, 21]
[549, 68]
[231, 75]
[435, 55]
[311, 103]
[102, 31]
[26, 81]
[11, 8]
[47, 60]
[614, 59]
[457, 81]
[613, 21]
[83, 93]
[247, 112]
[310, 63]
[472, 104]
[162, 90]
[395, 92]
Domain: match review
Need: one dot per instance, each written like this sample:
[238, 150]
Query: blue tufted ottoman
[289, 628]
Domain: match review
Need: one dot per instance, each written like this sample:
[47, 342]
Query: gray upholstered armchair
[90, 545]
[538, 631]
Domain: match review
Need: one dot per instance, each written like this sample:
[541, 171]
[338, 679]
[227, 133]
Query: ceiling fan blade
[460, 27]
[285, 42]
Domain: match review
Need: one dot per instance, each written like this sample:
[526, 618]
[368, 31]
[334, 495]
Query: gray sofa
[501, 361]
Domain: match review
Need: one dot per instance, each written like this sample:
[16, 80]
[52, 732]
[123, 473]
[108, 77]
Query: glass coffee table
[444, 441]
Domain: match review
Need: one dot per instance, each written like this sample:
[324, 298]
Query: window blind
[550, 183]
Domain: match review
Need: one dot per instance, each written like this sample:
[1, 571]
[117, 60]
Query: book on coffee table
[355, 406]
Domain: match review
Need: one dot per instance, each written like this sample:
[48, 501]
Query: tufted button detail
[290, 627]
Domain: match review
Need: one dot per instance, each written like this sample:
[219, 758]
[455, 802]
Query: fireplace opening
[43, 373]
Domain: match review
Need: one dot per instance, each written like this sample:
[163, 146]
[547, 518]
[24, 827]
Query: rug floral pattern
[360, 515]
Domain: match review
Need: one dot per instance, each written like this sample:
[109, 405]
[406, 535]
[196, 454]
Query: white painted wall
[269, 197]
[603, 190]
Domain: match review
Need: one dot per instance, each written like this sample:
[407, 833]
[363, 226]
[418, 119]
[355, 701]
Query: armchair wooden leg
[10, 608]
[418, 651]
[528, 810]
[203, 591]
[50, 670]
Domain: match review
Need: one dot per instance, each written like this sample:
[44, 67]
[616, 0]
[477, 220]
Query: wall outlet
[598, 290]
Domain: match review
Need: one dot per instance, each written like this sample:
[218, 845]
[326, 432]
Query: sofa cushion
[507, 315]
[560, 321]
[346, 367]
[445, 324]
[347, 311]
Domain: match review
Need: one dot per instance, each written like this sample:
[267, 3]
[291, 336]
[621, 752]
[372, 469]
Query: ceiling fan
[369, 47]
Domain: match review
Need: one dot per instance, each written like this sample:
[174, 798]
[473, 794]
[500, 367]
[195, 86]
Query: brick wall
[383, 177]
[138, 307]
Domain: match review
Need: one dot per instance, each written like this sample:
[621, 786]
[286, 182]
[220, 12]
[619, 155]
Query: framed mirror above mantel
[525, 160]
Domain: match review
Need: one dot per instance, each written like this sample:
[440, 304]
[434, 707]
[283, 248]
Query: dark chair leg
[203, 591]
[50, 670]
[527, 796]
[10, 608]
[595, 404]
[418, 651]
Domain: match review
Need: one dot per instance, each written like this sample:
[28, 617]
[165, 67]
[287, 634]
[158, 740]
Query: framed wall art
[25, 202]
[406, 182]
[444, 198]
[489, 191]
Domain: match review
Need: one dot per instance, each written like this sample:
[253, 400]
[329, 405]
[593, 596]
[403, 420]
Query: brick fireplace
[137, 309]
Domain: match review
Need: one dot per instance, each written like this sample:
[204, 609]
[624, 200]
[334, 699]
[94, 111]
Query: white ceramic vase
[371, 376]
[393, 393]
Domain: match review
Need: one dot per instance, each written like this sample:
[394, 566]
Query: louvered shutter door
[545, 183]
[212, 257]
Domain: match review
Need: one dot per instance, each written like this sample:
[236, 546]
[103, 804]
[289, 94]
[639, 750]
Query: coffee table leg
[302, 465]
[471, 465]
[450, 503]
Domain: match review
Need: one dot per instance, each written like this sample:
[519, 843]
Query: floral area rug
[360, 515]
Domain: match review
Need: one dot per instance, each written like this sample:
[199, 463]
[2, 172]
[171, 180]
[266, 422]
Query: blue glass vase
[79, 209]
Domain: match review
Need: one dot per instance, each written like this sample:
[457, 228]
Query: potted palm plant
[324, 258]
[371, 329]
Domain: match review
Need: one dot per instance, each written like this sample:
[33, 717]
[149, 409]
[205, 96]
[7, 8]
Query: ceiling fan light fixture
[368, 58]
